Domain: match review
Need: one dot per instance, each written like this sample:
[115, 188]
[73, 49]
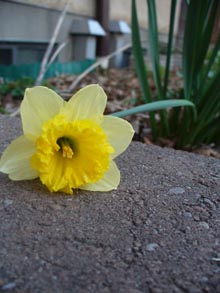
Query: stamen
[65, 147]
[67, 152]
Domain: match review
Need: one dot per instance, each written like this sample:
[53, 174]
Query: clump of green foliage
[216, 64]
[16, 88]
[200, 72]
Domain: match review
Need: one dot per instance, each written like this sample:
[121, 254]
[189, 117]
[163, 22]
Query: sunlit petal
[119, 133]
[39, 105]
[15, 160]
[87, 103]
[109, 181]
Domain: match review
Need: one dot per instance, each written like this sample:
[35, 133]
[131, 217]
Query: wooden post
[102, 15]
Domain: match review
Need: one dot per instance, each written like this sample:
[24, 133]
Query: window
[29, 55]
[6, 56]
[21, 53]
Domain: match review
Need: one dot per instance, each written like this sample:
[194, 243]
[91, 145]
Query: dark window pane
[6, 56]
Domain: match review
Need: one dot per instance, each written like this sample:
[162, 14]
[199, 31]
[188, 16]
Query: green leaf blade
[138, 56]
[155, 106]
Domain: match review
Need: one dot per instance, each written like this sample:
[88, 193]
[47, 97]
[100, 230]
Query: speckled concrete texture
[159, 232]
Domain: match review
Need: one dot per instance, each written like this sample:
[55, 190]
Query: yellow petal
[39, 105]
[119, 133]
[109, 182]
[15, 160]
[87, 103]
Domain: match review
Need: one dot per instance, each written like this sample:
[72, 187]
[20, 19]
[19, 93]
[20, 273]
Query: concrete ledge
[159, 232]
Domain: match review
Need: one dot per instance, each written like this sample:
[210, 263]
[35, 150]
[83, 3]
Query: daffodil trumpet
[68, 145]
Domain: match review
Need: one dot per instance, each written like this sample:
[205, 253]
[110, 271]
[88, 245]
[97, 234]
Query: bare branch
[44, 64]
[93, 66]
[56, 53]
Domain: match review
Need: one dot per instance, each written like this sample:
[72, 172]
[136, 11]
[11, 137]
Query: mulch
[123, 91]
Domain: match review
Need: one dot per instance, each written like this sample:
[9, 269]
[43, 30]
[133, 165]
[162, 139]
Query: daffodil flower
[67, 145]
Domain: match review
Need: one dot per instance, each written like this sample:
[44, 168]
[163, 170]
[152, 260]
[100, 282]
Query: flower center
[70, 154]
[66, 147]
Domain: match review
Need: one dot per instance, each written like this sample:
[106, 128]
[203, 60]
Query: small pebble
[179, 173]
[204, 225]
[197, 196]
[210, 203]
[177, 190]
[187, 215]
[8, 286]
[204, 279]
[216, 242]
[196, 218]
[152, 246]
[8, 202]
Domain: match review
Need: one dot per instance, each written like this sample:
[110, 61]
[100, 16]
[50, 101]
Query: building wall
[119, 9]
[26, 23]
[82, 7]
[23, 25]
[122, 10]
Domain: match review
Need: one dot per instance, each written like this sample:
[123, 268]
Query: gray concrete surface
[159, 232]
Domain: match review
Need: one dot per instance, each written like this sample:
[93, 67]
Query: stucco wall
[82, 7]
[26, 24]
[119, 10]
[122, 10]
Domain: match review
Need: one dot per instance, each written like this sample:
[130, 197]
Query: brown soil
[123, 91]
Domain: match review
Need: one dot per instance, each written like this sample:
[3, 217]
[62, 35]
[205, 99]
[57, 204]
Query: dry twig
[45, 63]
[95, 65]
